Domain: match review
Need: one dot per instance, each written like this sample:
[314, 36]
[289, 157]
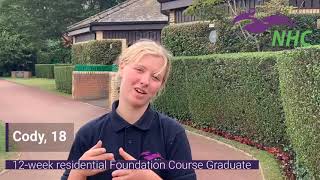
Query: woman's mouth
[140, 91]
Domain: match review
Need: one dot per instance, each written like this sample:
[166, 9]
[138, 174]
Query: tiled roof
[126, 12]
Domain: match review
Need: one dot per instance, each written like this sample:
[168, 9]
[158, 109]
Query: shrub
[236, 93]
[173, 100]
[270, 97]
[63, 78]
[187, 39]
[96, 52]
[299, 82]
[44, 71]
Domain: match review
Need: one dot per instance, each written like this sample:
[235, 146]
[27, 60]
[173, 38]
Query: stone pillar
[27, 74]
[114, 88]
[13, 74]
[21, 74]
[99, 35]
[124, 44]
[172, 17]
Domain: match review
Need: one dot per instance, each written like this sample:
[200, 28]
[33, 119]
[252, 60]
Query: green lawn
[270, 166]
[42, 83]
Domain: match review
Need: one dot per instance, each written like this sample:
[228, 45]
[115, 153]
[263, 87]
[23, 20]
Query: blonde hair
[147, 47]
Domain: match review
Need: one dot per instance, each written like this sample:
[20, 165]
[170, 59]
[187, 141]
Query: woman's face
[141, 80]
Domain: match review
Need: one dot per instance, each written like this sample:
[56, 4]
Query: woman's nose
[145, 79]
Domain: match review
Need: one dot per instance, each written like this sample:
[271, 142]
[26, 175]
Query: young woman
[133, 129]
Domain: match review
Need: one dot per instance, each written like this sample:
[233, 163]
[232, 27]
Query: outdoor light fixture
[213, 36]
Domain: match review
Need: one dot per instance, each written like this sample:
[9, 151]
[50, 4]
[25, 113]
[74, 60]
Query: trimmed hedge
[96, 52]
[272, 98]
[63, 78]
[44, 71]
[237, 93]
[173, 100]
[187, 39]
[299, 72]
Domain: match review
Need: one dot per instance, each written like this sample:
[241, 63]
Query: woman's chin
[139, 102]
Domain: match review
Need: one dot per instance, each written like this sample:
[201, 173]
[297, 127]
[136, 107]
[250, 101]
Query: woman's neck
[129, 113]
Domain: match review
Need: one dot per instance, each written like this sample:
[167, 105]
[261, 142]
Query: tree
[39, 20]
[15, 52]
[39, 26]
[273, 7]
[219, 12]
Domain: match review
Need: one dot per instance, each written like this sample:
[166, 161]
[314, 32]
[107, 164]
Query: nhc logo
[258, 26]
[147, 155]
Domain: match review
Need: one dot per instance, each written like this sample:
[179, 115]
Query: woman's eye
[139, 69]
[156, 78]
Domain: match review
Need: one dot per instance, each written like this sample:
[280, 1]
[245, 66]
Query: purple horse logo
[150, 156]
[258, 26]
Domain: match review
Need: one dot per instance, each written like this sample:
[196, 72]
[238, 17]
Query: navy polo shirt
[153, 132]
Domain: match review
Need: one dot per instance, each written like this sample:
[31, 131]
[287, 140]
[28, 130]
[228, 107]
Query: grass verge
[270, 166]
[41, 83]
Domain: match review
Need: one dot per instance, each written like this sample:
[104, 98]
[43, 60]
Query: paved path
[20, 103]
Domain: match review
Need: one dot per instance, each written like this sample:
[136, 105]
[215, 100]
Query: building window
[85, 37]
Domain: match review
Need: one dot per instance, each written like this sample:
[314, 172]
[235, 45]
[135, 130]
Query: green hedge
[273, 98]
[173, 100]
[187, 39]
[237, 93]
[63, 78]
[96, 52]
[44, 71]
[299, 72]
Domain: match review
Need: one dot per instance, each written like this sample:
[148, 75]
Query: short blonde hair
[147, 47]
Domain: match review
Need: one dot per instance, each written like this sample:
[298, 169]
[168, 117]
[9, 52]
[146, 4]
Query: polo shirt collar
[118, 123]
